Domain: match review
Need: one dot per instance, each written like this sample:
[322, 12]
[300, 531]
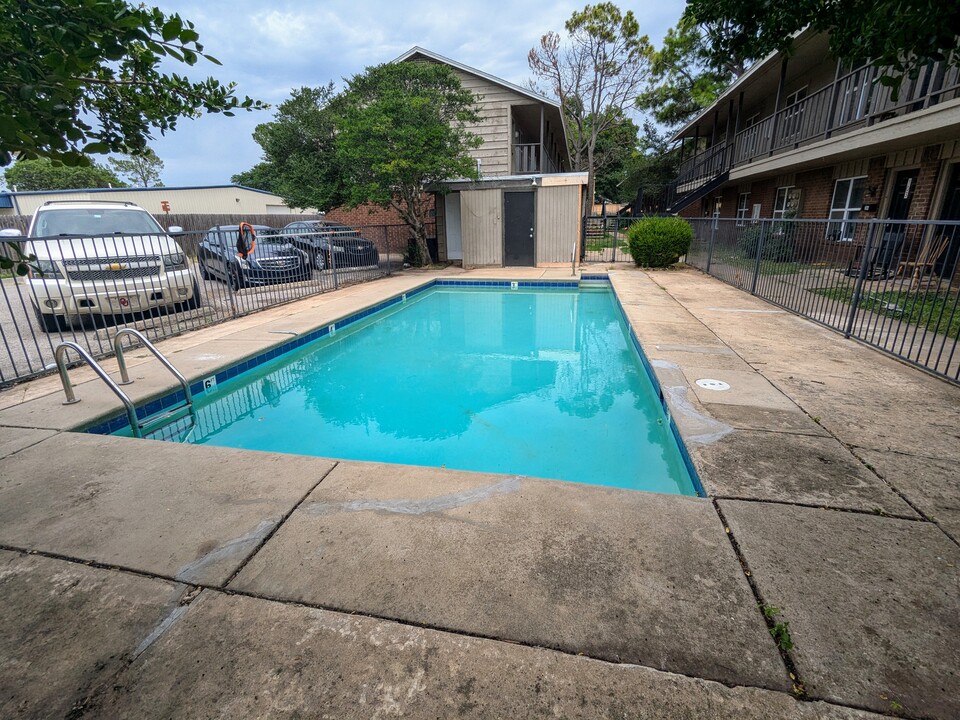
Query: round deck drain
[709, 384]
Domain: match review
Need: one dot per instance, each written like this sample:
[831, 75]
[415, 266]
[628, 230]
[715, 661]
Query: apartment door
[904, 187]
[898, 238]
[946, 266]
[519, 229]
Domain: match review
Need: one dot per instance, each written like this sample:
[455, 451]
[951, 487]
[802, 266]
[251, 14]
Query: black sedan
[273, 259]
[330, 244]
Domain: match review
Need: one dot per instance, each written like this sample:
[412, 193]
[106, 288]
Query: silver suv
[104, 259]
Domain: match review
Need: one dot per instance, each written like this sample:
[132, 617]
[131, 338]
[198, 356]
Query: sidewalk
[145, 579]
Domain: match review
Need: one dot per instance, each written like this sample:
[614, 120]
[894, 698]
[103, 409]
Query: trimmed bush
[659, 242]
[777, 242]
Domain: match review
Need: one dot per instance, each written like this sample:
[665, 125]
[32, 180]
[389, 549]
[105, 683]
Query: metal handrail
[125, 376]
[59, 355]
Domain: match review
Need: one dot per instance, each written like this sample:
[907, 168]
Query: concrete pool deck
[146, 579]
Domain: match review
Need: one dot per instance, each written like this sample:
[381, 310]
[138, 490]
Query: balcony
[527, 159]
[854, 101]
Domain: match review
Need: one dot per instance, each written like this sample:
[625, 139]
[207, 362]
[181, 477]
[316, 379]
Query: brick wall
[816, 192]
[920, 208]
[368, 214]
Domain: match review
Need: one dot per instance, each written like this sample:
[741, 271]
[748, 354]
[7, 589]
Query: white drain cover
[709, 384]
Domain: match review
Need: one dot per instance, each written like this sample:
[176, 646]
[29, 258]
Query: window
[743, 205]
[787, 203]
[792, 118]
[844, 208]
[855, 94]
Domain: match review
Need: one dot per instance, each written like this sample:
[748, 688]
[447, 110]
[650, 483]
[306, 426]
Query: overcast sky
[270, 48]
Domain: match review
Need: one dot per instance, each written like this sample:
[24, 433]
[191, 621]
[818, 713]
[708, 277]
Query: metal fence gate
[889, 283]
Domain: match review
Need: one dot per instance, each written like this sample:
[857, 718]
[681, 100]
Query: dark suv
[330, 244]
[273, 260]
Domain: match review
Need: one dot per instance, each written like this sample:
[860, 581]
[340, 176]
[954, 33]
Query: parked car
[331, 244]
[273, 260]
[99, 259]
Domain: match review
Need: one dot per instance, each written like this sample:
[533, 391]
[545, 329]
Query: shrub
[777, 241]
[659, 241]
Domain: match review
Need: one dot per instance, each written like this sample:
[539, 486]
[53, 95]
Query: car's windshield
[95, 222]
[264, 236]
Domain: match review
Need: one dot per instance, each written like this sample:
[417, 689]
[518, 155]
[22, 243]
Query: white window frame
[840, 227]
[787, 201]
[743, 207]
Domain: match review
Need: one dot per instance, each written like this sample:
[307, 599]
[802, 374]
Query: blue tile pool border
[119, 421]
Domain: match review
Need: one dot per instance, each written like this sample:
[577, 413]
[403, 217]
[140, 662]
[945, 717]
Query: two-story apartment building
[527, 205]
[803, 135]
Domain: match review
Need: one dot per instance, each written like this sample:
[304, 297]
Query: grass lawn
[767, 267]
[607, 241]
[916, 308]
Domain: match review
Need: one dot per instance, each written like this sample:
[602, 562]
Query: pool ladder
[138, 427]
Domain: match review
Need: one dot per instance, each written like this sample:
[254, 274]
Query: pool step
[154, 424]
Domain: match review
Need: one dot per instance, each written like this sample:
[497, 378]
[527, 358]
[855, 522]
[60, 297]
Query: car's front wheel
[236, 279]
[320, 260]
[50, 323]
[193, 303]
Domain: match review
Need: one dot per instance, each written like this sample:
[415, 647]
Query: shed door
[518, 229]
[454, 235]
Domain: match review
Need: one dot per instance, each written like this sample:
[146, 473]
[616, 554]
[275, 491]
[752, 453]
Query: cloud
[269, 50]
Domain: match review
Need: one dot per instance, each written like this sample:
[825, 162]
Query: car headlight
[243, 263]
[177, 261]
[46, 269]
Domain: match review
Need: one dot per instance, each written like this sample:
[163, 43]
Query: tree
[262, 176]
[79, 77]
[44, 174]
[300, 161]
[900, 36]
[141, 169]
[683, 79]
[596, 74]
[402, 130]
[83, 76]
[615, 147]
[651, 169]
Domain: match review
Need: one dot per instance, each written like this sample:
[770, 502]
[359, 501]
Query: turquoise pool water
[539, 382]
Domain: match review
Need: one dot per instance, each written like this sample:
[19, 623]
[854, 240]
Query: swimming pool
[525, 380]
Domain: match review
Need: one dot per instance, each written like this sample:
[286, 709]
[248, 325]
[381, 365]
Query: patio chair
[882, 256]
[931, 249]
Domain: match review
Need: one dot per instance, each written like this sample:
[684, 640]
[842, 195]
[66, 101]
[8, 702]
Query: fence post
[333, 262]
[858, 289]
[756, 267]
[713, 237]
[583, 238]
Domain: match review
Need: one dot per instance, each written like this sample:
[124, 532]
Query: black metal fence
[605, 239]
[892, 284]
[84, 289]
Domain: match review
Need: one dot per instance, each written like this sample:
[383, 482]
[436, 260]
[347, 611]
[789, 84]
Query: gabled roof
[749, 73]
[417, 50]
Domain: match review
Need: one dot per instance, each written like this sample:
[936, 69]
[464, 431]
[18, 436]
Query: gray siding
[481, 217]
[493, 105]
[558, 222]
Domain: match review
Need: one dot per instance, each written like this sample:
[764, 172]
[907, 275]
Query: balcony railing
[526, 160]
[703, 166]
[855, 100]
